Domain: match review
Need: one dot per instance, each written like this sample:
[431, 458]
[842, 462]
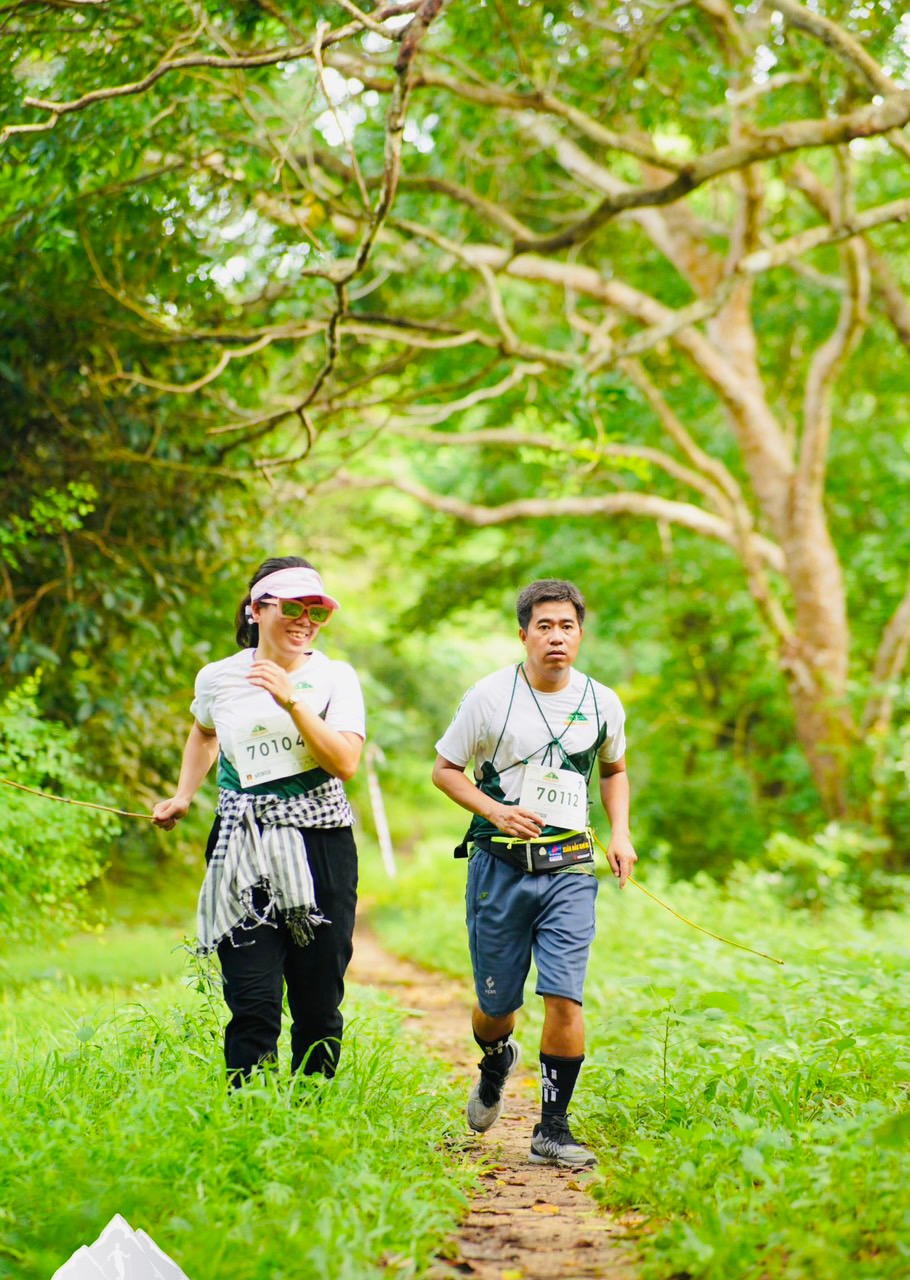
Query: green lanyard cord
[553, 741]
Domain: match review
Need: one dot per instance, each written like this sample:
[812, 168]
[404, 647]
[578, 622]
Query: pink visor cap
[293, 584]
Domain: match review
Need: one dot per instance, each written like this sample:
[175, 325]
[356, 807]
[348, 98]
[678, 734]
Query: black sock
[558, 1077]
[495, 1060]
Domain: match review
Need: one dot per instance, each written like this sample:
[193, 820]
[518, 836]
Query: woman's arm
[199, 754]
[335, 750]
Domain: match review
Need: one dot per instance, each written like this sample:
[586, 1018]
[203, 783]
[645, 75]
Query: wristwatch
[292, 701]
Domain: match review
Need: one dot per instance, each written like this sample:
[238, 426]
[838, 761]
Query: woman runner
[286, 725]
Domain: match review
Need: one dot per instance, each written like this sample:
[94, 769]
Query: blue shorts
[510, 915]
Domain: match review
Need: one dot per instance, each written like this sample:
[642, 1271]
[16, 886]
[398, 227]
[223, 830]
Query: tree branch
[663, 322]
[889, 663]
[838, 40]
[868, 121]
[492, 95]
[823, 372]
[584, 450]
[430, 414]
[672, 232]
[784, 251]
[718, 474]
[764, 446]
[684, 514]
[266, 58]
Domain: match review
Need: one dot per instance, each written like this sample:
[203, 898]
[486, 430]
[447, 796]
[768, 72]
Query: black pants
[256, 971]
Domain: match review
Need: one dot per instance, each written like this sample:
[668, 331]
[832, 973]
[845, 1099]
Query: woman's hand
[274, 679]
[167, 813]
[199, 754]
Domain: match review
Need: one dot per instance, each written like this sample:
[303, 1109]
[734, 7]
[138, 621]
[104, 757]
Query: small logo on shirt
[577, 717]
[258, 728]
[302, 684]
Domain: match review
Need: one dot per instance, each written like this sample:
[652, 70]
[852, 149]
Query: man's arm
[510, 819]
[614, 795]
[199, 754]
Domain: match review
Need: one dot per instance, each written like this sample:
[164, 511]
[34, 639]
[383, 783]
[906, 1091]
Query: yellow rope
[717, 937]
[147, 817]
[83, 804]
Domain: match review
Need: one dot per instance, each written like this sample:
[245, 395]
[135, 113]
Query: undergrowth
[115, 1102]
[755, 1114]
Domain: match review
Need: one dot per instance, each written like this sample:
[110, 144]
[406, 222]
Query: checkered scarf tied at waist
[261, 846]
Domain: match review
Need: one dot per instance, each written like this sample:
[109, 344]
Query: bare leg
[491, 1028]
[563, 1028]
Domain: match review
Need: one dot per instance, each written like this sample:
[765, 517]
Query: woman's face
[288, 637]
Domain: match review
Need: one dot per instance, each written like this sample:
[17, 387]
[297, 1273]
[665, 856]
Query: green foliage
[892, 787]
[758, 1110]
[837, 864]
[50, 513]
[754, 1114]
[48, 852]
[124, 1110]
[151, 242]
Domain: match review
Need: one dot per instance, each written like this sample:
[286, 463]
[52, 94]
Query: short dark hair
[247, 629]
[548, 589]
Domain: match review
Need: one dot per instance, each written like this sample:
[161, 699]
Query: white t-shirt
[226, 701]
[524, 731]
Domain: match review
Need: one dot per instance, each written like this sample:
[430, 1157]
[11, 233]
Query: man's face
[553, 636]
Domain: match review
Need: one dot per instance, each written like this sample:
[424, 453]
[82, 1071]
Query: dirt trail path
[531, 1222]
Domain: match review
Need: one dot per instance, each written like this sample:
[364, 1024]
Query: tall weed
[121, 1107]
[756, 1114]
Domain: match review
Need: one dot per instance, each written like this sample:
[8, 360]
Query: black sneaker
[485, 1099]
[555, 1145]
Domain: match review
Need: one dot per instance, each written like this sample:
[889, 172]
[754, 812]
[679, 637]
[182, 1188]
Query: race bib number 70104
[558, 796]
[271, 750]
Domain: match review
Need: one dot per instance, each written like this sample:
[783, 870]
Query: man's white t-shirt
[226, 701]
[485, 723]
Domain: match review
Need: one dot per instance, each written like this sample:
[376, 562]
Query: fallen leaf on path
[546, 1208]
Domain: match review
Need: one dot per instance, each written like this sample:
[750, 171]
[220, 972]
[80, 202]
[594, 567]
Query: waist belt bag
[537, 857]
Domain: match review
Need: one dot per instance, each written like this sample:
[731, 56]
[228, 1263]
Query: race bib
[559, 797]
[271, 750]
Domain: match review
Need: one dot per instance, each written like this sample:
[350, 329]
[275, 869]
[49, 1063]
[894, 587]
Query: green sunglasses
[296, 609]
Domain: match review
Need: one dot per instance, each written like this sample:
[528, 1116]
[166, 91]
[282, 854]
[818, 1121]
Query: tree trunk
[816, 666]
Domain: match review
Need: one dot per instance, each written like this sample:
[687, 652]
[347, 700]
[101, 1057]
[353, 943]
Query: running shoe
[555, 1145]
[485, 1099]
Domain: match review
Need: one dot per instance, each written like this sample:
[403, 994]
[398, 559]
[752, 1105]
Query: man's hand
[167, 813]
[512, 820]
[621, 857]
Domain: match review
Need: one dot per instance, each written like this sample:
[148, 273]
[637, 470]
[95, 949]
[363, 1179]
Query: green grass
[123, 955]
[115, 1103]
[756, 1115]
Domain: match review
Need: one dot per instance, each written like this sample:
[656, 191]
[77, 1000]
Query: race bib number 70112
[558, 796]
[271, 750]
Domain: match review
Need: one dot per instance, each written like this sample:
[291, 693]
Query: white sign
[120, 1253]
[271, 750]
[558, 796]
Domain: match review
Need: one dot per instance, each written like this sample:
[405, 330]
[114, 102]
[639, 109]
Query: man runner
[534, 731]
